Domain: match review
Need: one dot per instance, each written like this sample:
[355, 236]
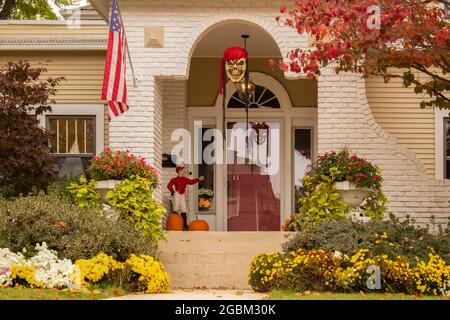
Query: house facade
[176, 49]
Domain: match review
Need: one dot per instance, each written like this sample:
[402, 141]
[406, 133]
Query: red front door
[253, 190]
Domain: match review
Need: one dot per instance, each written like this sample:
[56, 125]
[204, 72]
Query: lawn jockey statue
[177, 188]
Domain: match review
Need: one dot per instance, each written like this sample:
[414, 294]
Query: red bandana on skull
[234, 63]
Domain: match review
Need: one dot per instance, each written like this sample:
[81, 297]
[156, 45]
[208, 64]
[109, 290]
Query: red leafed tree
[409, 39]
[25, 159]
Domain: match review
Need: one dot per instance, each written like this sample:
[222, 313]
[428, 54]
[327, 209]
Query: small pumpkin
[174, 222]
[198, 225]
[204, 203]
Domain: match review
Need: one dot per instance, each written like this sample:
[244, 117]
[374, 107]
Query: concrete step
[214, 259]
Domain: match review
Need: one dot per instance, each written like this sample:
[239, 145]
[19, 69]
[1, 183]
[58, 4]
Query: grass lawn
[54, 294]
[291, 295]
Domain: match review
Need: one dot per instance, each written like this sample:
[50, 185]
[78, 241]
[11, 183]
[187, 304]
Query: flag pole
[128, 49]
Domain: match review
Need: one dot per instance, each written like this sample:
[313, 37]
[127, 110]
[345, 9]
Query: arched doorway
[254, 170]
[247, 196]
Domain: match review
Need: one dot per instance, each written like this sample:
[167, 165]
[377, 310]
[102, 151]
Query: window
[206, 195]
[447, 148]
[72, 143]
[262, 99]
[302, 160]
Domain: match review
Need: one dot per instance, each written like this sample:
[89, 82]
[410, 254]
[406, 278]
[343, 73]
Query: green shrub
[391, 236]
[59, 188]
[133, 200]
[85, 194]
[75, 233]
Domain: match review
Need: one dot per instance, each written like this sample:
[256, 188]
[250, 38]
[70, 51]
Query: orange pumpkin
[174, 222]
[204, 203]
[198, 225]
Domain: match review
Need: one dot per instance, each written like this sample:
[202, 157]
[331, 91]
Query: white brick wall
[174, 102]
[344, 118]
[343, 113]
[184, 23]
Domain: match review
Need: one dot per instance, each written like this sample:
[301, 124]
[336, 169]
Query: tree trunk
[7, 8]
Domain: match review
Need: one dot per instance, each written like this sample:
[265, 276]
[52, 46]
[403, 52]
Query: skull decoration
[234, 64]
[235, 69]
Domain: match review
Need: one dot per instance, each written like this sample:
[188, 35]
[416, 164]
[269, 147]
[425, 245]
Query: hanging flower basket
[352, 195]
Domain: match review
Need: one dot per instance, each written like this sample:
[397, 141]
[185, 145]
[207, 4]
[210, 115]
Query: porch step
[214, 259]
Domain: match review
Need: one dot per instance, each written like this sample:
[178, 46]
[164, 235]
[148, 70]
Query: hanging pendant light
[242, 88]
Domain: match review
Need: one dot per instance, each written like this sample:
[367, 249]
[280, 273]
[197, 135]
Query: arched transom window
[262, 99]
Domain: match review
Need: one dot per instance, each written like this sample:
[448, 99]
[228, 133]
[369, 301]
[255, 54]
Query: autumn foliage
[25, 161]
[408, 39]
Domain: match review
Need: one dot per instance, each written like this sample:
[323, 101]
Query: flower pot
[352, 195]
[104, 186]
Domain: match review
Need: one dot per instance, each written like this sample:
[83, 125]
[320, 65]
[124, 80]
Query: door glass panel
[253, 176]
[302, 161]
[206, 193]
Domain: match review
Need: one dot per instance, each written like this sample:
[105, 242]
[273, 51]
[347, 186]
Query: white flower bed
[7, 259]
[50, 271]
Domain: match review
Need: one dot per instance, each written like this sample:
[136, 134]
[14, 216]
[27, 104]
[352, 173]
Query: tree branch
[7, 8]
[431, 74]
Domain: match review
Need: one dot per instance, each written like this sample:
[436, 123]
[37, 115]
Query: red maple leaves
[372, 37]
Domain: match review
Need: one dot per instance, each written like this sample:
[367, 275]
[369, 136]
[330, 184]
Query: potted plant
[112, 167]
[355, 178]
[205, 199]
[338, 185]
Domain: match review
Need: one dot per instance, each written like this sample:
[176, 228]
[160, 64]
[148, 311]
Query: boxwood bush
[390, 236]
[74, 232]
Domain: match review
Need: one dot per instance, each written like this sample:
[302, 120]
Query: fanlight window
[262, 99]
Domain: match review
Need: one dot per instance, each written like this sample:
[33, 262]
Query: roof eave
[102, 7]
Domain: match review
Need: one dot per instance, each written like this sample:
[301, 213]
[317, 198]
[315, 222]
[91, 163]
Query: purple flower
[4, 272]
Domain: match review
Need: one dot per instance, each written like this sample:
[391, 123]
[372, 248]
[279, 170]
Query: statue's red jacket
[180, 184]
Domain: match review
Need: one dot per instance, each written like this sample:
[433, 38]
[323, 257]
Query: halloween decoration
[235, 67]
[174, 222]
[198, 225]
[177, 187]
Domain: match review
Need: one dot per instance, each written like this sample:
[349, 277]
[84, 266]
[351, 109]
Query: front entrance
[253, 177]
[258, 186]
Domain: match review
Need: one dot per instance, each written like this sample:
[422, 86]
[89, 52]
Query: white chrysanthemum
[50, 271]
[8, 259]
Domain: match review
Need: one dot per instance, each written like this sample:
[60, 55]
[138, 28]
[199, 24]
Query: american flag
[114, 81]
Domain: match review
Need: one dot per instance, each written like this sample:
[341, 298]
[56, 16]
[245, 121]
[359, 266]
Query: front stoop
[214, 259]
